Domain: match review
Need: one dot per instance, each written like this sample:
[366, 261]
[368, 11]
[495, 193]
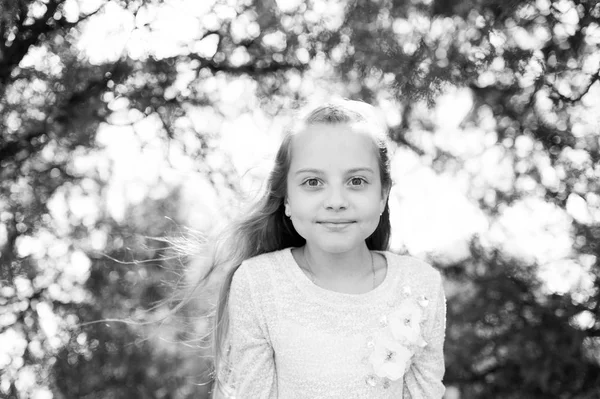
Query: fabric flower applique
[397, 340]
[389, 357]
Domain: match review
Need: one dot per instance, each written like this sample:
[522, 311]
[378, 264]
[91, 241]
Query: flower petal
[393, 370]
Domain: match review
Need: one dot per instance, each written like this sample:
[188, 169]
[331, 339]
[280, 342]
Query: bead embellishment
[371, 380]
[383, 321]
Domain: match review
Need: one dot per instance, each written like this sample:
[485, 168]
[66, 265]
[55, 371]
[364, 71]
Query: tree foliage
[531, 69]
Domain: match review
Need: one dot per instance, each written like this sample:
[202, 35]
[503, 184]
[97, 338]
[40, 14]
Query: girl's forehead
[333, 143]
[332, 134]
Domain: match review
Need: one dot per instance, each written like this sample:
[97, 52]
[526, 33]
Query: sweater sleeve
[250, 352]
[423, 380]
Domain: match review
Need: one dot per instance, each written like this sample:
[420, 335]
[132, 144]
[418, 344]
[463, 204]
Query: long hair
[266, 228]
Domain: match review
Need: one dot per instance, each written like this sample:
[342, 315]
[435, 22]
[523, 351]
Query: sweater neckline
[331, 297]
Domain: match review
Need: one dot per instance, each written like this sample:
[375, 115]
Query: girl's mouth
[335, 225]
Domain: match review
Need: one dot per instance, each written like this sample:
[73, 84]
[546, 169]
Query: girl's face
[334, 191]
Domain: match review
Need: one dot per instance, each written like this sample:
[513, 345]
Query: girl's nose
[336, 199]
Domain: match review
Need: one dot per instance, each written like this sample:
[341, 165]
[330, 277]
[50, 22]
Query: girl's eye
[357, 181]
[311, 182]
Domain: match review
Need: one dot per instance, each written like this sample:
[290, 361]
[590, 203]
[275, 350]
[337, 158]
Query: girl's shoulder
[264, 259]
[260, 274]
[413, 267]
[263, 263]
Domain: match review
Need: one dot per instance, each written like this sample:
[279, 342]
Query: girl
[313, 305]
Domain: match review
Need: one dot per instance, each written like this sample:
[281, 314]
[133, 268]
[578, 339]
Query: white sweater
[290, 338]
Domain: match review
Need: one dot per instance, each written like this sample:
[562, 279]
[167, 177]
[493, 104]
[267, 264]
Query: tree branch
[556, 95]
[250, 69]
[27, 35]
[64, 24]
[9, 150]
[61, 110]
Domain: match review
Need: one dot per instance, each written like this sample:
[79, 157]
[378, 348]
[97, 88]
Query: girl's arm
[423, 380]
[251, 353]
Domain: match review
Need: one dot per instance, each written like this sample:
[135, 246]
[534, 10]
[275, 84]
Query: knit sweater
[289, 338]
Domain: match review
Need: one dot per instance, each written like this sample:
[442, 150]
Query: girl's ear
[384, 199]
[286, 205]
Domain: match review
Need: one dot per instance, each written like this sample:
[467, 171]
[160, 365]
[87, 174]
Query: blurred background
[125, 121]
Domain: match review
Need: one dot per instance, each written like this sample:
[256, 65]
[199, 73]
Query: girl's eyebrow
[309, 170]
[320, 172]
[363, 169]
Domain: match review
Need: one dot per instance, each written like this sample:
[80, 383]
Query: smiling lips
[336, 224]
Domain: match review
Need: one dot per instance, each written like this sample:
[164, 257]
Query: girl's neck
[350, 264]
